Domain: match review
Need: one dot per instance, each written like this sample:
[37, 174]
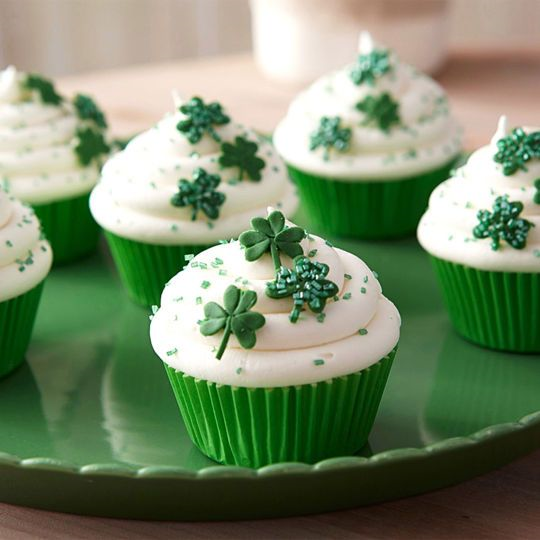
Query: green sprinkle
[366, 279]
[363, 331]
[363, 290]
[172, 351]
[321, 317]
[205, 284]
[178, 299]
[9, 243]
[347, 296]
[312, 253]
[198, 300]
[536, 252]
[188, 257]
[217, 260]
[154, 309]
[238, 370]
[336, 298]
[328, 243]
[222, 272]
[347, 276]
[318, 362]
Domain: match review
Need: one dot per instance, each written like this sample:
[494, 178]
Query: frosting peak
[355, 328]
[25, 258]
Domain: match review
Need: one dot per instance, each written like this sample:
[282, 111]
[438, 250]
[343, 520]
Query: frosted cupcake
[482, 230]
[274, 358]
[51, 149]
[178, 188]
[367, 144]
[25, 261]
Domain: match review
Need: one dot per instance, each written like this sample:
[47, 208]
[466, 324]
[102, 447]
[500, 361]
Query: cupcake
[25, 261]
[367, 144]
[278, 347]
[178, 188]
[482, 230]
[51, 149]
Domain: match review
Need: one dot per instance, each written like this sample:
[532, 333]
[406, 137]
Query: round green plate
[90, 424]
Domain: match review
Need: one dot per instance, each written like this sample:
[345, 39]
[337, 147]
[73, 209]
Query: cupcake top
[488, 214]
[376, 118]
[278, 307]
[51, 148]
[195, 177]
[25, 257]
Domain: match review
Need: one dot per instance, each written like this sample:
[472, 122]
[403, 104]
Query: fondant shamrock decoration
[516, 149]
[234, 317]
[44, 87]
[329, 135]
[503, 223]
[90, 145]
[242, 154]
[200, 194]
[87, 109]
[380, 111]
[306, 283]
[369, 67]
[201, 119]
[537, 194]
[272, 235]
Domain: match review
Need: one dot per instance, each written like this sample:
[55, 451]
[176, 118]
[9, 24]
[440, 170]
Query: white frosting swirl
[285, 353]
[427, 138]
[133, 198]
[38, 163]
[25, 259]
[446, 230]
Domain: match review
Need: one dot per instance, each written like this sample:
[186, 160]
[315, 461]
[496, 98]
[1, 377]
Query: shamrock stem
[225, 339]
[275, 256]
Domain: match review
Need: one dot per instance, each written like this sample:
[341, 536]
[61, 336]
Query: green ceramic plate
[90, 425]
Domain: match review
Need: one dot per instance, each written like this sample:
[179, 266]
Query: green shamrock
[242, 154]
[201, 194]
[201, 119]
[272, 235]
[90, 145]
[503, 223]
[329, 135]
[44, 87]
[306, 283]
[234, 317]
[369, 67]
[516, 149]
[537, 194]
[87, 109]
[381, 111]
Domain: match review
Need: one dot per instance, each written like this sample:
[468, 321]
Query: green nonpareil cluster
[201, 118]
[381, 111]
[371, 66]
[200, 193]
[329, 135]
[516, 149]
[503, 223]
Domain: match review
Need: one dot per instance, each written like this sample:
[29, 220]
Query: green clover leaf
[306, 283]
[201, 119]
[330, 135]
[536, 198]
[242, 154]
[90, 145]
[272, 235]
[369, 67]
[200, 194]
[516, 149]
[381, 111]
[503, 223]
[235, 317]
[44, 87]
[87, 109]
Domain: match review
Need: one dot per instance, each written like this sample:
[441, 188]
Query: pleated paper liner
[17, 317]
[144, 269]
[499, 310]
[254, 427]
[367, 209]
[69, 227]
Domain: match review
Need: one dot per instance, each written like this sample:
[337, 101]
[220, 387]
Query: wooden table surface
[502, 504]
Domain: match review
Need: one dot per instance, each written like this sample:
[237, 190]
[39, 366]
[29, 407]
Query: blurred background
[63, 37]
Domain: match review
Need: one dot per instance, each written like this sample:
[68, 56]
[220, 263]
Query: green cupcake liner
[254, 427]
[69, 227]
[144, 269]
[499, 310]
[17, 317]
[367, 209]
